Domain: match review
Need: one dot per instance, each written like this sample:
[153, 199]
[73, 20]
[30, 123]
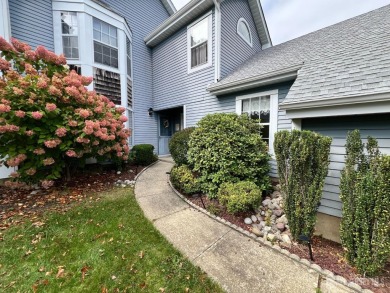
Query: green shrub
[142, 154]
[184, 180]
[178, 146]
[228, 148]
[365, 194]
[240, 196]
[303, 159]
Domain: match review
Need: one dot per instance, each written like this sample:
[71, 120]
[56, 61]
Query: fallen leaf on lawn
[84, 270]
[162, 290]
[188, 277]
[111, 239]
[187, 290]
[41, 269]
[123, 257]
[104, 290]
[113, 277]
[142, 285]
[28, 252]
[45, 282]
[48, 274]
[35, 288]
[141, 254]
[38, 224]
[61, 272]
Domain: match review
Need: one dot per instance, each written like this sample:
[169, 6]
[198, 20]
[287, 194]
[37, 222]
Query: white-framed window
[70, 34]
[244, 31]
[263, 106]
[199, 44]
[105, 44]
[128, 54]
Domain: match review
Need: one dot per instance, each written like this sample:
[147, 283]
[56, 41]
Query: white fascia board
[95, 10]
[256, 81]
[354, 105]
[191, 9]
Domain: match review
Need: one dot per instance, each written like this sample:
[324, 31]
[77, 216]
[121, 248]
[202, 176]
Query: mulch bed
[327, 254]
[18, 205]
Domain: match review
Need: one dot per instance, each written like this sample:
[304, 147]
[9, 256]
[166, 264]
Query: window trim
[71, 35]
[274, 111]
[242, 20]
[209, 43]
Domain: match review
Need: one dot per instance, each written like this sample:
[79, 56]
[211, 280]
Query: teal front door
[168, 125]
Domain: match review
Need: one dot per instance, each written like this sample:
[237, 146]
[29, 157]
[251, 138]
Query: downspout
[5, 25]
[217, 47]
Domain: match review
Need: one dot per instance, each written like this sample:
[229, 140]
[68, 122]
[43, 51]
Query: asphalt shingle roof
[346, 59]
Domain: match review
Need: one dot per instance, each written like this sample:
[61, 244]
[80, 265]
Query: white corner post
[5, 24]
[296, 124]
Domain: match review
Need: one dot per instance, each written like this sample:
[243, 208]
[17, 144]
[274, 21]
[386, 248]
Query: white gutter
[153, 38]
[334, 102]
[217, 48]
[278, 76]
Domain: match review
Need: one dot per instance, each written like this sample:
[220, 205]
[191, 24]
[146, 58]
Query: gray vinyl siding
[377, 126]
[32, 23]
[142, 17]
[234, 50]
[173, 86]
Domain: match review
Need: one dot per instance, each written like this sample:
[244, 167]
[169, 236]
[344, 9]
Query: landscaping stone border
[311, 266]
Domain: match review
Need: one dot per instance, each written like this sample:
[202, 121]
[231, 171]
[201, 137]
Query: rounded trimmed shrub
[184, 180]
[142, 154]
[240, 196]
[228, 148]
[178, 145]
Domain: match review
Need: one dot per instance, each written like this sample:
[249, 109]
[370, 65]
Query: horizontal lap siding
[32, 22]
[174, 87]
[377, 126]
[142, 17]
[234, 50]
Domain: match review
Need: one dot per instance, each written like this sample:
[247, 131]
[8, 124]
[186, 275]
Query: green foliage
[240, 196]
[365, 194]
[303, 159]
[213, 209]
[178, 146]
[184, 180]
[228, 148]
[142, 154]
[49, 120]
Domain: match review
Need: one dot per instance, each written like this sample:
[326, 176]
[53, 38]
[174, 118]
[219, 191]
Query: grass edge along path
[100, 246]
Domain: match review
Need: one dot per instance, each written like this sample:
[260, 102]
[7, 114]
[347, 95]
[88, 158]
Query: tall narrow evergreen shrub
[365, 194]
[303, 159]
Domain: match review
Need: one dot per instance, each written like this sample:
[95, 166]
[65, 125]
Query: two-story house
[170, 68]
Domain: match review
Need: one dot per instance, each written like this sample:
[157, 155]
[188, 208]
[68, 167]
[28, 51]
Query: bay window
[70, 31]
[105, 43]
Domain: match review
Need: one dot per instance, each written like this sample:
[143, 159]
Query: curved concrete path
[238, 263]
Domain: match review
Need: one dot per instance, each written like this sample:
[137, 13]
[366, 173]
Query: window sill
[200, 67]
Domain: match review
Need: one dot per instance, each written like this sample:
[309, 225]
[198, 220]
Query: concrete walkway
[237, 262]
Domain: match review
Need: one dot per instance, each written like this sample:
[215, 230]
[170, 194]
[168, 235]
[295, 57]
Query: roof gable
[194, 9]
[346, 59]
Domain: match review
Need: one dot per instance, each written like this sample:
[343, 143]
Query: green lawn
[100, 246]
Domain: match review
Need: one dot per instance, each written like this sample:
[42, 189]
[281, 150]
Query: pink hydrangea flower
[61, 132]
[39, 151]
[29, 133]
[48, 161]
[37, 115]
[123, 119]
[54, 91]
[72, 123]
[20, 113]
[13, 162]
[31, 171]
[4, 64]
[51, 107]
[17, 91]
[120, 110]
[84, 113]
[71, 153]
[52, 143]
[4, 108]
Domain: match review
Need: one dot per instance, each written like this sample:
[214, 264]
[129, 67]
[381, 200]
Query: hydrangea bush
[49, 120]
